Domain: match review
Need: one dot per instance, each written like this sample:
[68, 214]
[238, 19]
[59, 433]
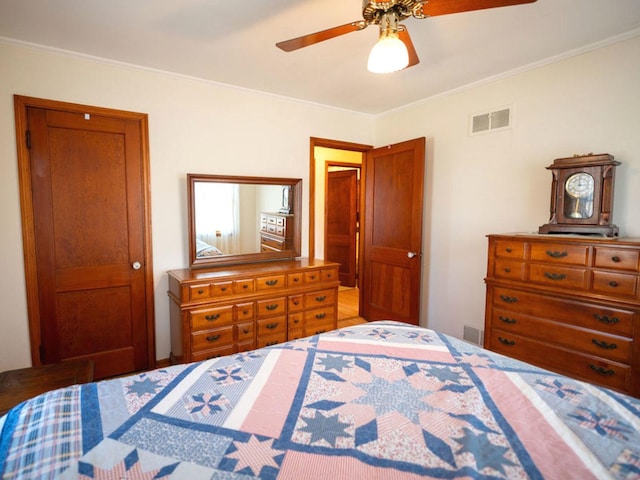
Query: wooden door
[84, 177]
[341, 221]
[393, 231]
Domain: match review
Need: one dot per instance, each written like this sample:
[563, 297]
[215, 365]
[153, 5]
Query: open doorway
[335, 199]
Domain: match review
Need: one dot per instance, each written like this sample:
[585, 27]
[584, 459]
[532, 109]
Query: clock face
[580, 185]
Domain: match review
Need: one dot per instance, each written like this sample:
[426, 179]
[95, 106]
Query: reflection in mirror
[240, 219]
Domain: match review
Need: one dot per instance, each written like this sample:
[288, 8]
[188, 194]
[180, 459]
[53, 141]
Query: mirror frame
[230, 259]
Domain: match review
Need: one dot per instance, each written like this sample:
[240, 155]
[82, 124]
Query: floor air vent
[473, 335]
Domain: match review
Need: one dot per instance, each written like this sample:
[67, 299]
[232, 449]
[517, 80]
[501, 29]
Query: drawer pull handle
[556, 254]
[271, 326]
[321, 298]
[245, 331]
[321, 315]
[509, 250]
[506, 342]
[508, 299]
[603, 344]
[296, 302]
[271, 283]
[245, 312]
[224, 289]
[268, 344]
[555, 276]
[508, 270]
[329, 275]
[613, 284]
[313, 277]
[320, 331]
[296, 321]
[200, 292]
[212, 338]
[616, 259]
[601, 370]
[508, 320]
[606, 319]
[271, 307]
[213, 317]
[246, 285]
[296, 279]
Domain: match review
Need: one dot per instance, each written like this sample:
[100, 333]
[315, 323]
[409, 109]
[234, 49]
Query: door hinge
[28, 139]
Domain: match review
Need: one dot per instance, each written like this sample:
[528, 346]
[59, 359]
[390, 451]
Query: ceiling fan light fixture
[389, 54]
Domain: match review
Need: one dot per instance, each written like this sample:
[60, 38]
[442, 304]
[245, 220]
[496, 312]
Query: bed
[373, 401]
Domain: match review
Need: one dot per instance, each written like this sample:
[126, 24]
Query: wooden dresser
[276, 232]
[229, 309]
[567, 303]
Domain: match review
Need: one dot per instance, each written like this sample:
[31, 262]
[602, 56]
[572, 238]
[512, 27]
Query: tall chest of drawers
[223, 310]
[276, 232]
[567, 303]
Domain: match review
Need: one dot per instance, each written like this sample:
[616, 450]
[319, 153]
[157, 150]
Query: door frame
[21, 104]
[337, 145]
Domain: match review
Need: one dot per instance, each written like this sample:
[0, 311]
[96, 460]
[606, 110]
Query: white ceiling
[233, 42]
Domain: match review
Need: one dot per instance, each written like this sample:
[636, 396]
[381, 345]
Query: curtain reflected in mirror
[227, 217]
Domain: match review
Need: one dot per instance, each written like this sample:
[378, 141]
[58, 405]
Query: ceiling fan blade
[433, 8]
[310, 39]
[403, 33]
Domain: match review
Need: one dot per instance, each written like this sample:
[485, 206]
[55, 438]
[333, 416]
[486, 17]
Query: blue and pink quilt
[374, 401]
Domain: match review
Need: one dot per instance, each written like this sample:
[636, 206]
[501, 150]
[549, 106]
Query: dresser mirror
[234, 219]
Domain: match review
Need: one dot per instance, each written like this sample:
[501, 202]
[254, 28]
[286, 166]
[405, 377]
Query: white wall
[497, 182]
[194, 127]
[474, 185]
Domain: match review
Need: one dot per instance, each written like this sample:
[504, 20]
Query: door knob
[136, 265]
[411, 254]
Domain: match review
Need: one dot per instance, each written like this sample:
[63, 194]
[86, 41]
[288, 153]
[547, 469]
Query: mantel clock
[582, 195]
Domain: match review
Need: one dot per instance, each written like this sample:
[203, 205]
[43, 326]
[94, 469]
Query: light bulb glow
[388, 55]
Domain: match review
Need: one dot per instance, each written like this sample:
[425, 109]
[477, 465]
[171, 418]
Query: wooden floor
[348, 307]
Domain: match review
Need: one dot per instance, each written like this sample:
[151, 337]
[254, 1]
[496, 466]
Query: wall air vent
[490, 121]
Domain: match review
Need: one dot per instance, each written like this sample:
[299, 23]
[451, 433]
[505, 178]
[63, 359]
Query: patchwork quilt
[374, 401]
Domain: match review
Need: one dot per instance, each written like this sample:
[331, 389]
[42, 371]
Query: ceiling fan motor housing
[373, 11]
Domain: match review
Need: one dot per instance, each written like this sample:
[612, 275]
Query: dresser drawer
[558, 253]
[511, 269]
[272, 306]
[243, 286]
[199, 291]
[594, 342]
[608, 319]
[615, 284]
[320, 298]
[510, 249]
[213, 353]
[271, 282]
[617, 258]
[245, 331]
[296, 303]
[582, 366]
[209, 339]
[329, 274]
[295, 279]
[295, 321]
[276, 243]
[319, 320]
[557, 276]
[272, 326]
[313, 276]
[245, 311]
[207, 318]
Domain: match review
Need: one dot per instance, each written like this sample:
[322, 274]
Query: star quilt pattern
[380, 400]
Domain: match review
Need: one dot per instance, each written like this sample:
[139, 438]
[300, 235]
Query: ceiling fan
[395, 49]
